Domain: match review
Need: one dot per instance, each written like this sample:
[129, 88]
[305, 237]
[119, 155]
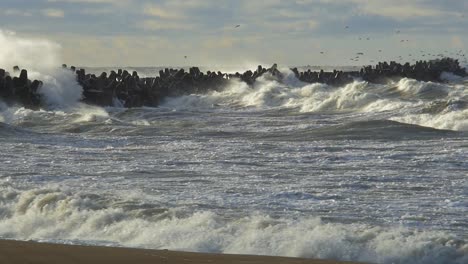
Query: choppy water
[364, 172]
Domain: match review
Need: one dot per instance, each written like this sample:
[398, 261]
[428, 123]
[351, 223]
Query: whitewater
[366, 172]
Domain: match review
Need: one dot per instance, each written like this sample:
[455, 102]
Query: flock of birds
[426, 55]
[422, 54]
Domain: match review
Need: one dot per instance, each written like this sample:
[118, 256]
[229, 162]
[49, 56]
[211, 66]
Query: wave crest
[52, 214]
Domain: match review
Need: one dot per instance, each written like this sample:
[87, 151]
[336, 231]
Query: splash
[60, 88]
[33, 54]
[42, 59]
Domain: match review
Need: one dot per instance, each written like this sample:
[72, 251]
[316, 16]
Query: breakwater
[127, 89]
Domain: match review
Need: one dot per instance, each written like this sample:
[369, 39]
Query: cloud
[398, 9]
[457, 42]
[17, 12]
[164, 13]
[220, 43]
[177, 14]
[294, 26]
[194, 4]
[177, 9]
[206, 28]
[97, 11]
[402, 10]
[151, 24]
[55, 13]
[119, 3]
[90, 1]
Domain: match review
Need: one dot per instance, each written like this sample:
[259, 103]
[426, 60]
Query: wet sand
[20, 252]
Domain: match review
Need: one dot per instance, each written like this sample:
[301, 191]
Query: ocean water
[365, 172]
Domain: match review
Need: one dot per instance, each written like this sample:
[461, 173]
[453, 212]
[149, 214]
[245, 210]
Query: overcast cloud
[141, 32]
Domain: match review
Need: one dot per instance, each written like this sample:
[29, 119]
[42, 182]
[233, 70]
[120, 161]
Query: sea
[365, 172]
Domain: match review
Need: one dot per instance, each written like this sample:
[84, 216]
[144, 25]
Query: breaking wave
[405, 101]
[56, 215]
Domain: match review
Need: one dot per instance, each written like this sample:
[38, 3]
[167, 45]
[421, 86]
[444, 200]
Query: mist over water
[365, 172]
[42, 60]
[33, 54]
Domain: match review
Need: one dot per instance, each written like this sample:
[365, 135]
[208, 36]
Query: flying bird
[360, 53]
[185, 57]
[237, 26]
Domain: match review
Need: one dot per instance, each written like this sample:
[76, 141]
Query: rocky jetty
[122, 88]
[19, 90]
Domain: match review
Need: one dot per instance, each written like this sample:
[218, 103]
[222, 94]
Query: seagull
[347, 27]
[360, 53]
[185, 57]
[380, 50]
[321, 52]
[237, 26]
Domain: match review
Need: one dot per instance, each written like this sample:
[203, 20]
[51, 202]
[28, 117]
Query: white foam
[452, 120]
[424, 90]
[357, 96]
[55, 215]
[401, 101]
[60, 88]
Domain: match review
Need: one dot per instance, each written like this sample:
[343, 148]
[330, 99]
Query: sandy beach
[21, 252]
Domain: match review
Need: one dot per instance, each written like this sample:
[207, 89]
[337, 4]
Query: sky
[205, 32]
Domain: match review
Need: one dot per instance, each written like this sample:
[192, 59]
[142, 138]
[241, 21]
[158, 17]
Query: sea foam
[57, 215]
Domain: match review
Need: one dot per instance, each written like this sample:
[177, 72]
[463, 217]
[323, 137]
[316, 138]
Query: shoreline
[16, 252]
